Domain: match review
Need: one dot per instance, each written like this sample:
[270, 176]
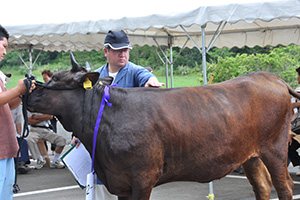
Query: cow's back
[195, 133]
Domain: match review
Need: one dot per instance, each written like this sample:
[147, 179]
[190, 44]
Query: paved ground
[59, 184]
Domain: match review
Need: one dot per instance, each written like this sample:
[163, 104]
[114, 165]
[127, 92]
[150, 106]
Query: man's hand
[21, 87]
[290, 139]
[153, 82]
[76, 141]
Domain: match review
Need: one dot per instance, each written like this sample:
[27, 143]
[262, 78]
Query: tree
[281, 61]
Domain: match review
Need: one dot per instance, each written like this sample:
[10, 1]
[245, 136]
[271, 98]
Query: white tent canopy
[247, 23]
[185, 24]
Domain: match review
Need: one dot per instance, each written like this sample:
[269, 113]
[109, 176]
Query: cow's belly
[201, 167]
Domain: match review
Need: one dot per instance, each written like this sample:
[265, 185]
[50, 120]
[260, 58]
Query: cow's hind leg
[275, 160]
[258, 177]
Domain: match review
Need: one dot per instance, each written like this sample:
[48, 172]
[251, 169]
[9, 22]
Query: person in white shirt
[41, 129]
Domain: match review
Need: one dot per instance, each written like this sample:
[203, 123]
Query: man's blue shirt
[131, 75]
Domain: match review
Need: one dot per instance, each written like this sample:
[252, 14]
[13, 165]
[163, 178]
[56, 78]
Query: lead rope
[27, 82]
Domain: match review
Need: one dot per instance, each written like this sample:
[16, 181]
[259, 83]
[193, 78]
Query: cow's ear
[88, 80]
[106, 80]
[92, 76]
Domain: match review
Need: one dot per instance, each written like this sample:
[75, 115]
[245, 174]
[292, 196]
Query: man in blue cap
[126, 74]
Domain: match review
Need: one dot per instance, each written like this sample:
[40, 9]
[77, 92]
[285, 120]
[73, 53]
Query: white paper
[79, 162]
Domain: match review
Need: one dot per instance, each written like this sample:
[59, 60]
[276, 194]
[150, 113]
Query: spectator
[41, 129]
[294, 139]
[47, 75]
[9, 99]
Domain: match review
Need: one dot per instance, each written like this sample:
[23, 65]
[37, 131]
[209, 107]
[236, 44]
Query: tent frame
[203, 51]
[30, 50]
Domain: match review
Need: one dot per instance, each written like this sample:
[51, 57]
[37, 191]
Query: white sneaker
[57, 165]
[40, 164]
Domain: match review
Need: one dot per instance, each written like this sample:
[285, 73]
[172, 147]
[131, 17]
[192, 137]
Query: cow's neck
[83, 125]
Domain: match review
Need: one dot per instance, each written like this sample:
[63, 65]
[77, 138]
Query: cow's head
[62, 95]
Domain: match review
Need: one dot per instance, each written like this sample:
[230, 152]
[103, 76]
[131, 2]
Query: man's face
[117, 58]
[3, 46]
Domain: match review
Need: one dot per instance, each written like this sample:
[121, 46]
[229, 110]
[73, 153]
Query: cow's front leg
[259, 178]
[143, 185]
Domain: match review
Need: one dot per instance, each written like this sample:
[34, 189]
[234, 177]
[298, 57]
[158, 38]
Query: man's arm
[19, 128]
[9, 95]
[35, 119]
[12, 94]
[14, 103]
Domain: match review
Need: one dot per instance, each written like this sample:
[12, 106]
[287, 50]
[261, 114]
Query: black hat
[117, 40]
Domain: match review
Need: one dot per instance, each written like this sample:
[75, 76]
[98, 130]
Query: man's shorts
[7, 178]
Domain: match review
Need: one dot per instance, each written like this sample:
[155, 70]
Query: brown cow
[154, 136]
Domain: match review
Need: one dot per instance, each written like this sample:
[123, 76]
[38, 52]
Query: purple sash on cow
[105, 99]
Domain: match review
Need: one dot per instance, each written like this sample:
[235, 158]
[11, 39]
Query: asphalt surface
[59, 184]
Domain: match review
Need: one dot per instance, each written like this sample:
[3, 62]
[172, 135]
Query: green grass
[181, 81]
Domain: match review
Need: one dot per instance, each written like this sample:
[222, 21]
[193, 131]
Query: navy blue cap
[117, 40]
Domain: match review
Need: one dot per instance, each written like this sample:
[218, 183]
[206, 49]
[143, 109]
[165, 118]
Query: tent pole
[30, 60]
[170, 44]
[171, 65]
[211, 195]
[211, 189]
[22, 60]
[203, 55]
[164, 54]
[167, 71]
[216, 35]
[188, 35]
[37, 57]
[181, 49]
[164, 62]
[171, 61]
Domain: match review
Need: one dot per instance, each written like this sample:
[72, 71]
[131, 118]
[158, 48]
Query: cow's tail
[292, 91]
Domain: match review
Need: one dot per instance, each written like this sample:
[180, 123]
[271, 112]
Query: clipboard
[78, 161]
